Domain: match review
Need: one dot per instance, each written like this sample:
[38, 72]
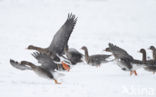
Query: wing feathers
[61, 37]
[19, 66]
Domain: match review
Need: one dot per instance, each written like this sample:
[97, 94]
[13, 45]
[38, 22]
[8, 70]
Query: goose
[46, 70]
[125, 61]
[59, 41]
[153, 52]
[94, 60]
[73, 55]
[150, 64]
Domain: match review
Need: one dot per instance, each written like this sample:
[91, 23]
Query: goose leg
[56, 82]
[65, 66]
[154, 72]
[135, 72]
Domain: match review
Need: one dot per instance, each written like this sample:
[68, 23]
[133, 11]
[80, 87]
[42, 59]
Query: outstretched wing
[119, 52]
[19, 66]
[62, 35]
[45, 61]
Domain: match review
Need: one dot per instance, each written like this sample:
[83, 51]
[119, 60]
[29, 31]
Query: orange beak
[65, 66]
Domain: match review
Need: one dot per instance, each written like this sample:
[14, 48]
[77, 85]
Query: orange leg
[65, 66]
[135, 72]
[56, 82]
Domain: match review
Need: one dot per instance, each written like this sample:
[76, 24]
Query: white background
[130, 24]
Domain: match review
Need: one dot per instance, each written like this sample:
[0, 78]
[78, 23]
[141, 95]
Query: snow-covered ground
[129, 24]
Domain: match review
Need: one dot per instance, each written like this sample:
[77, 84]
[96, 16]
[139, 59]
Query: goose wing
[45, 61]
[18, 65]
[119, 52]
[61, 37]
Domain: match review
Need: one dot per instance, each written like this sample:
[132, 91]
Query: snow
[129, 24]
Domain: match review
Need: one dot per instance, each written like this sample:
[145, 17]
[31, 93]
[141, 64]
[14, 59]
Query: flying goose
[46, 70]
[60, 39]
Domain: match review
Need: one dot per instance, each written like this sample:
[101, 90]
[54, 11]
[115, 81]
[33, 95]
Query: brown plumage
[95, 60]
[153, 52]
[150, 64]
[60, 39]
[39, 70]
[125, 61]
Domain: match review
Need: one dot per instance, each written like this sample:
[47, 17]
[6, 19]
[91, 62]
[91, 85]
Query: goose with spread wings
[46, 70]
[59, 41]
[125, 61]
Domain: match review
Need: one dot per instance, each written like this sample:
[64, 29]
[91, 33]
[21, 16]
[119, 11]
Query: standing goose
[60, 39]
[46, 69]
[153, 52]
[124, 60]
[95, 60]
[73, 55]
[150, 64]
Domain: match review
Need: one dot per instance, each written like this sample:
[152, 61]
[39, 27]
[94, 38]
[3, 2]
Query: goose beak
[65, 66]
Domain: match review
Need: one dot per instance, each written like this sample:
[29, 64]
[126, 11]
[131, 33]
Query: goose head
[152, 48]
[84, 48]
[30, 47]
[142, 51]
